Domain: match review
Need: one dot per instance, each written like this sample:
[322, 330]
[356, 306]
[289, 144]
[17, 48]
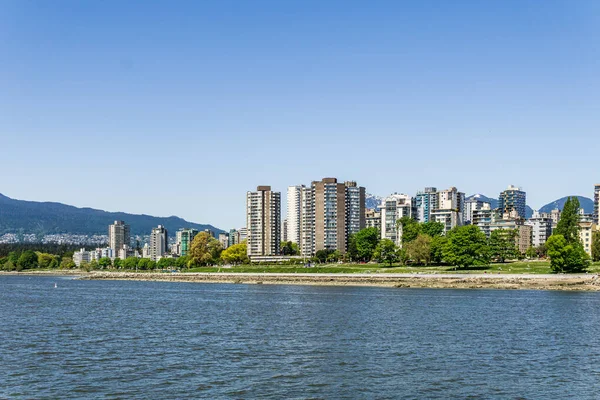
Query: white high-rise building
[158, 243]
[294, 212]
[472, 205]
[118, 235]
[449, 208]
[393, 208]
[263, 218]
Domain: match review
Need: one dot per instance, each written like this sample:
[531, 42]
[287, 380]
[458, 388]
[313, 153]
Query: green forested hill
[48, 218]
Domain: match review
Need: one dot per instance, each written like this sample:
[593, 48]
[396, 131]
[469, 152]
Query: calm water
[89, 339]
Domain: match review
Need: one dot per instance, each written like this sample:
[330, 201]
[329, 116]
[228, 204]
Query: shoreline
[581, 282]
[575, 282]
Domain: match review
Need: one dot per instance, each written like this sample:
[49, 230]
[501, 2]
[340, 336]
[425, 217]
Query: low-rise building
[373, 218]
[81, 256]
[541, 228]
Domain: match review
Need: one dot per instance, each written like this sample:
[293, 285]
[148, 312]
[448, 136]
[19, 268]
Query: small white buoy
[55, 285]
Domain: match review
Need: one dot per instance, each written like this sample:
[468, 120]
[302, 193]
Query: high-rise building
[224, 240]
[541, 228]
[483, 218]
[118, 235]
[586, 231]
[524, 233]
[513, 199]
[234, 237]
[597, 204]
[294, 212]
[426, 201]
[338, 211]
[263, 217]
[158, 243]
[184, 238]
[284, 232]
[306, 219]
[243, 234]
[373, 218]
[355, 208]
[471, 205]
[449, 208]
[393, 208]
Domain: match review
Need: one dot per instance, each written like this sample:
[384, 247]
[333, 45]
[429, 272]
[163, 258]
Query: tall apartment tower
[263, 217]
[448, 209]
[158, 243]
[393, 208]
[513, 199]
[426, 202]
[597, 204]
[338, 211]
[294, 213]
[184, 238]
[307, 219]
[118, 235]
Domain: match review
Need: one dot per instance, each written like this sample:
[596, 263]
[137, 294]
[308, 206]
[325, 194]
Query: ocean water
[146, 340]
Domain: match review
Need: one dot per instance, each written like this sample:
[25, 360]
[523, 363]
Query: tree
[568, 225]
[503, 245]
[466, 246]
[143, 263]
[596, 246]
[289, 249]
[419, 250]
[236, 254]
[362, 244]
[386, 251]
[565, 256]
[432, 229]
[166, 263]
[27, 260]
[531, 253]
[204, 249]
[9, 266]
[182, 262]
[117, 263]
[44, 259]
[67, 263]
[105, 262]
[55, 263]
[129, 263]
[334, 256]
[410, 229]
[322, 255]
[93, 265]
[438, 243]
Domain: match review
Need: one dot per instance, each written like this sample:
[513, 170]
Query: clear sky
[180, 107]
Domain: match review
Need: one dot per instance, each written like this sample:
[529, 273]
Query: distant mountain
[586, 203]
[372, 201]
[494, 203]
[47, 218]
[484, 198]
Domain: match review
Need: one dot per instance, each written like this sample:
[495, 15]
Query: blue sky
[179, 108]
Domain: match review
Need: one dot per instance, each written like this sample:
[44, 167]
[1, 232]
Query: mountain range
[50, 218]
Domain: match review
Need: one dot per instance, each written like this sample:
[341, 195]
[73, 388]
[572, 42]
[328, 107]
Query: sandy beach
[584, 282]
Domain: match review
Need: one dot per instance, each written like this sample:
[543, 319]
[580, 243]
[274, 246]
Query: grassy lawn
[521, 267]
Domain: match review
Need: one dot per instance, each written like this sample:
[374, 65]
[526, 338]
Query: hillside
[586, 203]
[49, 218]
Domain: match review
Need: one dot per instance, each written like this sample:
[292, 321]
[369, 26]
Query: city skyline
[394, 95]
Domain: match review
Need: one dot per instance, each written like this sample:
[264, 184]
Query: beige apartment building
[263, 222]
